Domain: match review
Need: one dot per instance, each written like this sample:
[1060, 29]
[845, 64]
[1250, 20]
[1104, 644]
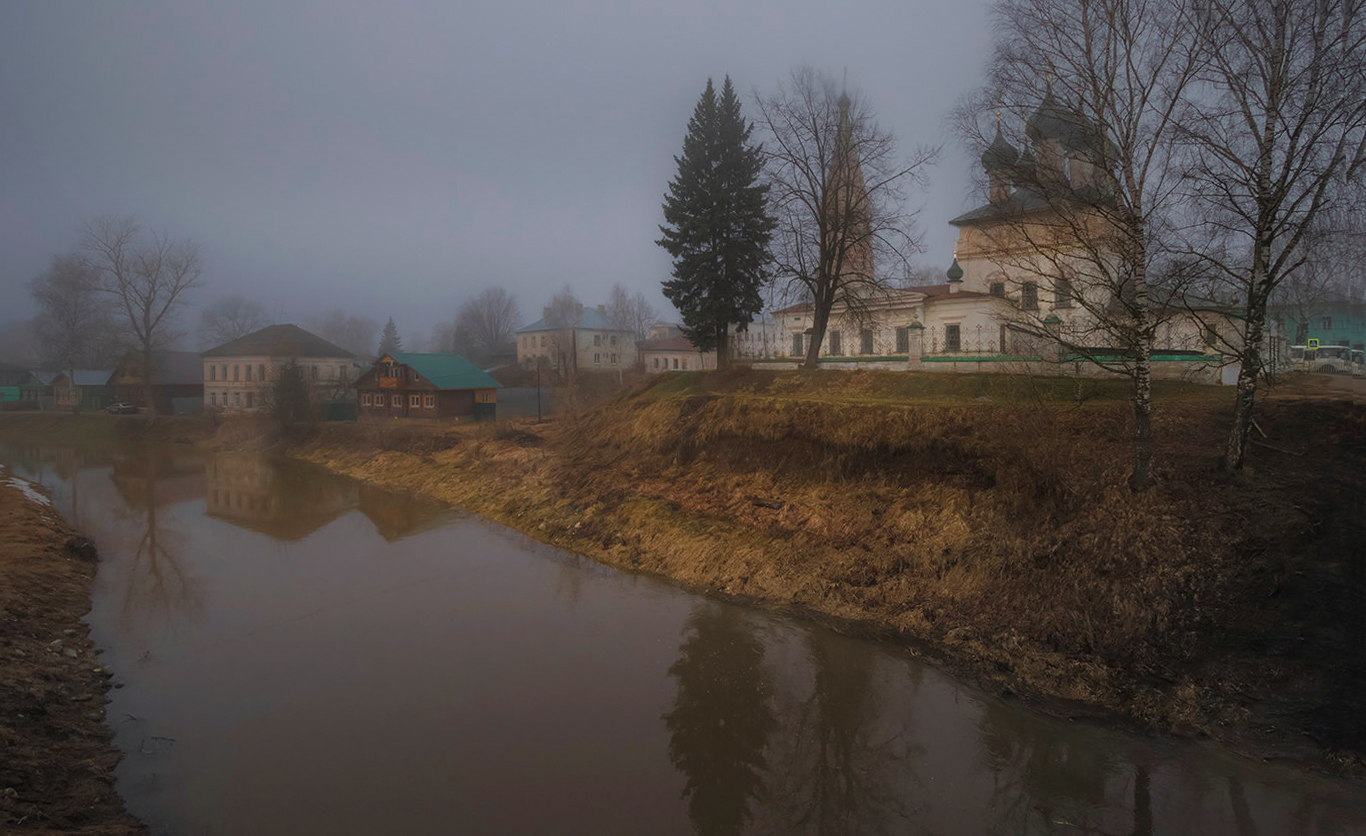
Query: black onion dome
[1000, 154]
[1053, 121]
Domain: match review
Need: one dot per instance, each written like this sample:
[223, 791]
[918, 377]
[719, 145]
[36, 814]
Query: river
[300, 653]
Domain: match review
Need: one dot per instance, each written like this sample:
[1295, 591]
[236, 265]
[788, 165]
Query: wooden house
[83, 390]
[177, 381]
[403, 385]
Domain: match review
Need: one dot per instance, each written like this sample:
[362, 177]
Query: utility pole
[538, 388]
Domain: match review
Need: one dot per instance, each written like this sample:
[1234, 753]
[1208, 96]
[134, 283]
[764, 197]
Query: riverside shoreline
[979, 521]
[57, 773]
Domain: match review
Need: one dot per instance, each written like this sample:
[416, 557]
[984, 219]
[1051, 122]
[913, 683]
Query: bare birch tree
[837, 187]
[1277, 127]
[147, 278]
[1083, 211]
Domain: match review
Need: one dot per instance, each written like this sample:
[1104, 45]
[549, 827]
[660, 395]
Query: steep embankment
[57, 757]
[987, 519]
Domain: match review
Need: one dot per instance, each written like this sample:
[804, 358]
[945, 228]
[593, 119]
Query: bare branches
[487, 322]
[837, 186]
[630, 313]
[146, 277]
[73, 328]
[229, 318]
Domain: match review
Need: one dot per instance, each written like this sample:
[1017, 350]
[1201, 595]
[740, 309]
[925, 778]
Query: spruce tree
[717, 226]
[389, 341]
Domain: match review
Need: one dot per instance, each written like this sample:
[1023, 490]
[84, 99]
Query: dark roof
[279, 341]
[1017, 203]
[88, 377]
[668, 344]
[446, 371]
[588, 318]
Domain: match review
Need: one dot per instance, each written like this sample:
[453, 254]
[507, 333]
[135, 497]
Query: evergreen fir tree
[717, 224]
[389, 341]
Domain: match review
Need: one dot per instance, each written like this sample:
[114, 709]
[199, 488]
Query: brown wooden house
[177, 381]
[403, 385]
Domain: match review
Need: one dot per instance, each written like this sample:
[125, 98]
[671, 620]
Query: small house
[83, 390]
[404, 385]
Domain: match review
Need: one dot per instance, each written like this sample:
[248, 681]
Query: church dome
[1000, 154]
[1053, 121]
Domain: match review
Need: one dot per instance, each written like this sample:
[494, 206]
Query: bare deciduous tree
[1278, 133]
[629, 312]
[229, 318]
[147, 277]
[487, 322]
[356, 335]
[1082, 213]
[837, 187]
[73, 328]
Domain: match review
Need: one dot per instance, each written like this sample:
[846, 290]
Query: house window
[431, 401]
[250, 398]
[1327, 323]
[213, 399]
[998, 289]
[261, 371]
[675, 362]
[225, 372]
[656, 362]
[234, 371]
[248, 371]
[365, 399]
[1029, 296]
[597, 339]
[1062, 293]
[543, 341]
[1211, 337]
[903, 340]
[342, 373]
[213, 372]
[835, 343]
[236, 398]
[797, 345]
[866, 341]
[613, 339]
[597, 359]
[952, 338]
[415, 400]
[396, 401]
[614, 359]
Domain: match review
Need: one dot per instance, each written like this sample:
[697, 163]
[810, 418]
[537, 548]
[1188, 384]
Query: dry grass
[998, 530]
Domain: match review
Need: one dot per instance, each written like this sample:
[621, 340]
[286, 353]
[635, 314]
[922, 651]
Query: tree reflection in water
[842, 764]
[721, 719]
[156, 581]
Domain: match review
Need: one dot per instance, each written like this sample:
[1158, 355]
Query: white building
[238, 374]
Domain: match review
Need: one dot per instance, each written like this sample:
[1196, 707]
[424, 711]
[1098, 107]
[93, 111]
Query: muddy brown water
[300, 653]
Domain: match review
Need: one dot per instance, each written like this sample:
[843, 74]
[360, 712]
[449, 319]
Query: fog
[392, 161]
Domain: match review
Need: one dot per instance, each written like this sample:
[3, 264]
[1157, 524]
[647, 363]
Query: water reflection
[155, 581]
[282, 500]
[844, 761]
[721, 720]
[456, 671]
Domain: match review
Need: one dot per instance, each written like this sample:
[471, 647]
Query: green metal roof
[447, 371]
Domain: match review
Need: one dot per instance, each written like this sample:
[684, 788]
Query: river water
[299, 654]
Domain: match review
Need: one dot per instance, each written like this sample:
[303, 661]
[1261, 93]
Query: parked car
[121, 408]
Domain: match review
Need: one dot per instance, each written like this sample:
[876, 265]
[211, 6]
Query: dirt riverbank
[56, 772]
[984, 521]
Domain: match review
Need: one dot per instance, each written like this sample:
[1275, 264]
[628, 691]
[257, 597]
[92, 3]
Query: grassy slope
[983, 516]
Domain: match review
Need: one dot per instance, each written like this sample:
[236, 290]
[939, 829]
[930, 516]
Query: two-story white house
[238, 374]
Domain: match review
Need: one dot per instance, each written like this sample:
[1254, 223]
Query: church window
[1003, 339]
[953, 340]
[903, 340]
[1029, 296]
[866, 341]
[797, 345]
[998, 289]
[1062, 293]
[836, 346]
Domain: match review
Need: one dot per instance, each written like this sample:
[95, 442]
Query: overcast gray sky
[393, 158]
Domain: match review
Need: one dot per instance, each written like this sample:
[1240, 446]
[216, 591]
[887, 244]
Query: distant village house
[410, 385]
